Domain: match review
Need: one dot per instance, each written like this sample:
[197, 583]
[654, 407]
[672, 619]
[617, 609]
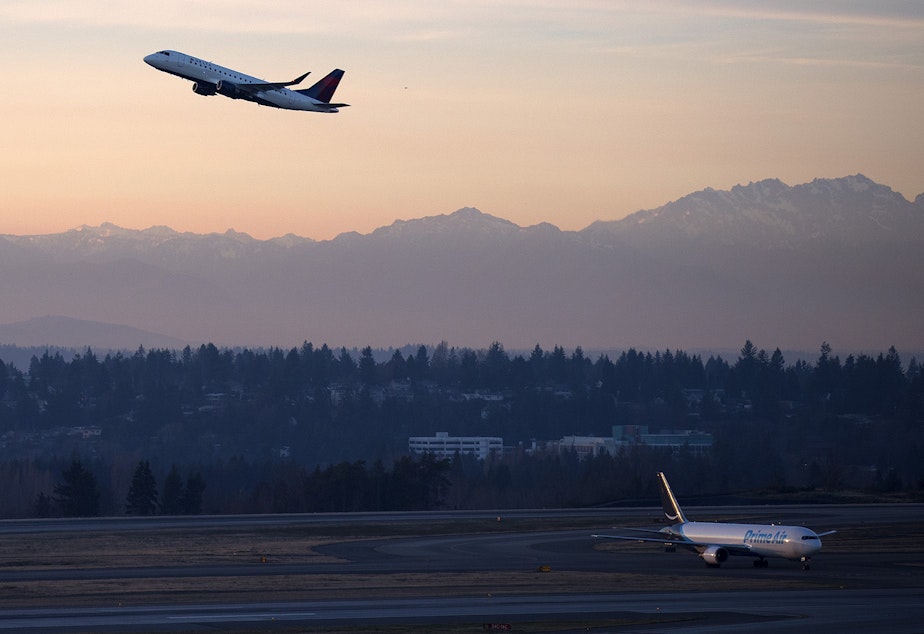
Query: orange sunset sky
[539, 111]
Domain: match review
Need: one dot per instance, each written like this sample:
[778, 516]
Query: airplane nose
[149, 59]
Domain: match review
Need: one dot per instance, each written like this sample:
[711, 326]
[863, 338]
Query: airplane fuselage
[760, 540]
[211, 79]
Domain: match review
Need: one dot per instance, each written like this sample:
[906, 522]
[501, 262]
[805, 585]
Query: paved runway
[821, 612]
[861, 580]
[814, 516]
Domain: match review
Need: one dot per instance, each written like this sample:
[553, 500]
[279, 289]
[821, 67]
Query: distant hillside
[835, 260]
[66, 332]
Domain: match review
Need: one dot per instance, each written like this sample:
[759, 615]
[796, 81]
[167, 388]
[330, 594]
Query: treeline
[751, 466]
[264, 427]
[150, 385]
[523, 480]
[411, 484]
[77, 494]
[323, 407]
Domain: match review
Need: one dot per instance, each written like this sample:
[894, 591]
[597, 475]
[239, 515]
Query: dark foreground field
[295, 559]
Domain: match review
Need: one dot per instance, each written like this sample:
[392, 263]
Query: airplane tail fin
[671, 509]
[324, 89]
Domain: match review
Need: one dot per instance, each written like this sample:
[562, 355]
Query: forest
[315, 429]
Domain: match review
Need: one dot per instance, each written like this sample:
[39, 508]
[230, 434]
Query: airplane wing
[825, 533]
[667, 539]
[656, 531]
[253, 89]
[743, 549]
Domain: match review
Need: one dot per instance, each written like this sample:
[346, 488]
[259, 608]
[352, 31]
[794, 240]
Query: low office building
[586, 446]
[695, 441]
[442, 445]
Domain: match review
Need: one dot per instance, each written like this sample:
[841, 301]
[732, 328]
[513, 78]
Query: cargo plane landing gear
[761, 563]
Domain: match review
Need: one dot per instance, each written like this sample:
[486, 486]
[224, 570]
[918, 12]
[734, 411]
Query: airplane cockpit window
[167, 53]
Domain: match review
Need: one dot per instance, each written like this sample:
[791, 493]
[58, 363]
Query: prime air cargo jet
[715, 541]
[212, 79]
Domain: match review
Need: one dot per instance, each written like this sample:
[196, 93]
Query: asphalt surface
[869, 576]
[814, 516]
[824, 611]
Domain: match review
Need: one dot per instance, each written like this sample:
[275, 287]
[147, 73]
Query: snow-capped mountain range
[836, 260]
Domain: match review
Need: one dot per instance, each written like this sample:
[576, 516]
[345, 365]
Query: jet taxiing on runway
[212, 79]
[715, 541]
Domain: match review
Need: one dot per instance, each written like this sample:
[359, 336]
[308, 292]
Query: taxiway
[868, 576]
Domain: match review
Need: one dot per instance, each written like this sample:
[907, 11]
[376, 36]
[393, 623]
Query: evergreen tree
[77, 494]
[43, 506]
[421, 363]
[396, 369]
[827, 375]
[367, 366]
[747, 369]
[171, 500]
[191, 501]
[142, 496]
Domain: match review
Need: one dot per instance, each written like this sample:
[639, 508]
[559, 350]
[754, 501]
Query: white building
[587, 446]
[445, 446]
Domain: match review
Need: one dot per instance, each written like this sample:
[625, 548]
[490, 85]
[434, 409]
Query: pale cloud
[202, 15]
[293, 16]
[900, 15]
[859, 64]
[910, 20]
[742, 34]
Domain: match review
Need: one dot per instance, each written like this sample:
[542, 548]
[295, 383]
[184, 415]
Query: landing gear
[761, 563]
[806, 565]
[670, 548]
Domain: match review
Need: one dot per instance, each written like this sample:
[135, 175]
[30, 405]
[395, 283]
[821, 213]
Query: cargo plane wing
[212, 79]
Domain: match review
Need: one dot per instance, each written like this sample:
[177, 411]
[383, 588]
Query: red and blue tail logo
[324, 89]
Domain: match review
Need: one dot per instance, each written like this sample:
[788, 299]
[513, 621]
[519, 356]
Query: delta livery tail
[715, 542]
[211, 79]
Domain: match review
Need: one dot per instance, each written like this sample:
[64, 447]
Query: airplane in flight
[212, 79]
[715, 541]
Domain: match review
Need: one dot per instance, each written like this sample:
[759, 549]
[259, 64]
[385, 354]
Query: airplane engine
[714, 555]
[204, 89]
[227, 89]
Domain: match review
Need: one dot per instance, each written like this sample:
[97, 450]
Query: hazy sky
[538, 111]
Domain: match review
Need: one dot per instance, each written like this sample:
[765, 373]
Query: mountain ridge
[61, 331]
[834, 260]
[470, 219]
[853, 210]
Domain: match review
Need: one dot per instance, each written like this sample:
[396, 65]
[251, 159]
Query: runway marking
[262, 615]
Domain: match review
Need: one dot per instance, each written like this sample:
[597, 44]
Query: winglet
[668, 502]
[297, 80]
